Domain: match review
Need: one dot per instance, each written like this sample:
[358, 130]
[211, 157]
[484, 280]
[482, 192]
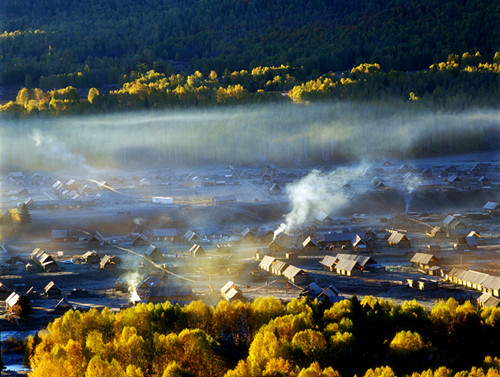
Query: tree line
[265, 337]
[460, 82]
[54, 43]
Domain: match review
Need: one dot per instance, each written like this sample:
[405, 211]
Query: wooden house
[309, 245]
[424, 260]
[487, 300]
[108, 262]
[62, 307]
[60, 235]
[191, 236]
[230, 292]
[196, 251]
[274, 189]
[140, 240]
[359, 245]
[491, 285]
[281, 244]
[279, 267]
[364, 261]
[97, 240]
[476, 236]
[295, 275]
[328, 262]
[11, 300]
[172, 291]
[248, 236]
[452, 223]
[323, 219]
[400, 240]
[154, 254]
[437, 232]
[143, 288]
[91, 257]
[52, 291]
[492, 208]
[164, 234]
[266, 263]
[348, 267]
[330, 239]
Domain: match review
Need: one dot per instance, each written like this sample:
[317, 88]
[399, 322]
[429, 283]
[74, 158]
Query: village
[409, 232]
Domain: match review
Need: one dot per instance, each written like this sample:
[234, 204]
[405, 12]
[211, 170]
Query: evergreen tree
[25, 214]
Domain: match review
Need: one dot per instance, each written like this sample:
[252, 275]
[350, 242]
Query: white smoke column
[319, 191]
[411, 184]
[133, 281]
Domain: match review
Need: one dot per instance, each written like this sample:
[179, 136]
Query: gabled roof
[292, 271]
[98, 237]
[458, 273]
[491, 206]
[279, 266]
[338, 237]
[436, 230]
[322, 216]
[283, 241]
[247, 232]
[491, 282]
[357, 241]
[234, 294]
[36, 253]
[60, 233]
[328, 261]
[361, 259]
[50, 286]
[473, 234]
[423, 258]
[397, 237]
[488, 300]
[89, 254]
[347, 265]
[12, 299]
[266, 262]
[226, 287]
[152, 249]
[190, 235]
[168, 232]
[151, 281]
[196, 249]
[474, 277]
[308, 242]
[64, 303]
[106, 259]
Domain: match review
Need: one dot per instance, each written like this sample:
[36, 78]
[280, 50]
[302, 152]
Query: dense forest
[303, 338]
[49, 43]
[459, 82]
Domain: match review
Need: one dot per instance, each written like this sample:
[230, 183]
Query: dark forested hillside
[97, 41]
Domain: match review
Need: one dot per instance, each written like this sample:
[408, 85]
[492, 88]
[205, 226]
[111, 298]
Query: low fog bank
[285, 134]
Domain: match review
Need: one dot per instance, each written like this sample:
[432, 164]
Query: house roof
[423, 258]
[168, 232]
[436, 230]
[338, 237]
[266, 262]
[151, 281]
[60, 233]
[491, 206]
[488, 300]
[322, 216]
[50, 286]
[152, 249]
[473, 234]
[190, 235]
[328, 261]
[474, 277]
[36, 253]
[170, 289]
[292, 271]
[491, 282]
[12, 299]
[89, 254]
[247, 232]
[280, 266]
[309, 241]
[357, 241]
[361, 259]
[234, 294]
[196, 249]
[106, 259]
[347, 265]
[226, 287]
[64, 303]
[397, 237]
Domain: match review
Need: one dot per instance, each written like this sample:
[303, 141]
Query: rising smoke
[321, 192]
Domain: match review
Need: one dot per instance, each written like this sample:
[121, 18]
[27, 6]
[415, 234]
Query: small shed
[487, 300]
[424, 260]
[190, 236]
[91, 257]
[323, 219]
[493, 208]
[154, 254]
[11, 300]
[295, 275]
[108, 262]
[51, 290]
[348, 267]
[281, 244]
[196, 251]
[234, 294]
[309, 245]
[248, 236]
[279, 267]
[266, 263]
[140, 240]
[437, 232]
[97, 240]
[328, 262]
[62, 306]
[400, 240]
[453, 223]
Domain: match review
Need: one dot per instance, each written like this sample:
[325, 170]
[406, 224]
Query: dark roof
[338, 237]
[169, 232]
[60, 233]
[309, 241]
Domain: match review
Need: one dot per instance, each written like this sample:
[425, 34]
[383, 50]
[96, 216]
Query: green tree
[25, 214]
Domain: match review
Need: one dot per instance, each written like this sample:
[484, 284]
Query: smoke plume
[320, 192]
